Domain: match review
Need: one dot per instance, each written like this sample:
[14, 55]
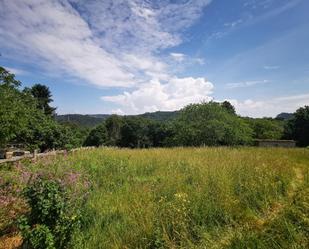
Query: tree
[113, 126]
[135, 133]
[42, 132]
[76, 134]
[97, 136]
[229, 107]
[266, 128]
[13, 111]
[21, 121]
[8, 79]
[209, 124]
[159, 133]
[44, 97]
[297, 128]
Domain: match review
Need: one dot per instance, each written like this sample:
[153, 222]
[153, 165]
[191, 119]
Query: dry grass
[10, 241]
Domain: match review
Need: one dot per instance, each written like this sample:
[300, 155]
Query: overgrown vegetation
[51, 219]
[42, 204]
[168, 198]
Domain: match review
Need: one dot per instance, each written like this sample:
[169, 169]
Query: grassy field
[187, 197]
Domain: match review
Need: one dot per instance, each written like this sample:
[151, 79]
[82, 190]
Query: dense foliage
[87, 121]
[96, 137]
[204, 124]
[298, 126]
[266, 128]
[15, 108]
[195, 125]
[26, 117]
[209, 124]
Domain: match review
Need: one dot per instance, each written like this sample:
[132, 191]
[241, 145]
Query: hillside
[160, 116]
[284, 116]
[82, 120]
[91, 120]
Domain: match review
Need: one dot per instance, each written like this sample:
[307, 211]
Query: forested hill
[91, 120]
[160, 116]
[82, 120]
[284, 116]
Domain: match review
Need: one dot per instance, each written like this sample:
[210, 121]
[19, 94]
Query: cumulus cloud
[155, 96]
[271, 107]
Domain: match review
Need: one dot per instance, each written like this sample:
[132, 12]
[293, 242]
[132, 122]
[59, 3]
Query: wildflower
[182, 196]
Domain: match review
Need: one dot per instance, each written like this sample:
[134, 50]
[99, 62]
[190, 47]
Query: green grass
[191, 197]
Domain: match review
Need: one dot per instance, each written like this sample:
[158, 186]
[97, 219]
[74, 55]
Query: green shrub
[40, 238]
[51, 220]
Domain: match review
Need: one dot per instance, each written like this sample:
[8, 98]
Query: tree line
[26, 117]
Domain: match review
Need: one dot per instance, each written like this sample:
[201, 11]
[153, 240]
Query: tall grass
[192, 197]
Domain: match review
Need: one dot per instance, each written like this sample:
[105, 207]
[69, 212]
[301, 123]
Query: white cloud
[117, 111]
[200, 61]
[271, 67]
[181, 61]
[155, 96]
[146, 67]
[271, 107]
[179, 57]
[16, 71]
[245, 84]
[233, 24]
[112, 43]
[54, 32]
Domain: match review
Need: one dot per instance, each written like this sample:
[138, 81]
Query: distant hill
[82, 120]
[91, 120]
[284, 116]
[100, 116]
[160, 116]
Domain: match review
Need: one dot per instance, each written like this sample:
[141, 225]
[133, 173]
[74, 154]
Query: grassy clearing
[190, 197]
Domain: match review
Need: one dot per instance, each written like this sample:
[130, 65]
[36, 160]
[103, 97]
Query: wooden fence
[35, 155]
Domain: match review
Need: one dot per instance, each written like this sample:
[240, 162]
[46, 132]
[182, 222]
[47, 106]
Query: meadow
[216, 197]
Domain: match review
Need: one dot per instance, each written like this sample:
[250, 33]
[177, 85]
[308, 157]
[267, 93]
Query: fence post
[9, 155]
[35, 154]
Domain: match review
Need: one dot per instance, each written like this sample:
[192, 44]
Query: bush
[40, 238]
[51, 220]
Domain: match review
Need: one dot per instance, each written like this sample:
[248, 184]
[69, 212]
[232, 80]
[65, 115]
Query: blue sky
[136, 56]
